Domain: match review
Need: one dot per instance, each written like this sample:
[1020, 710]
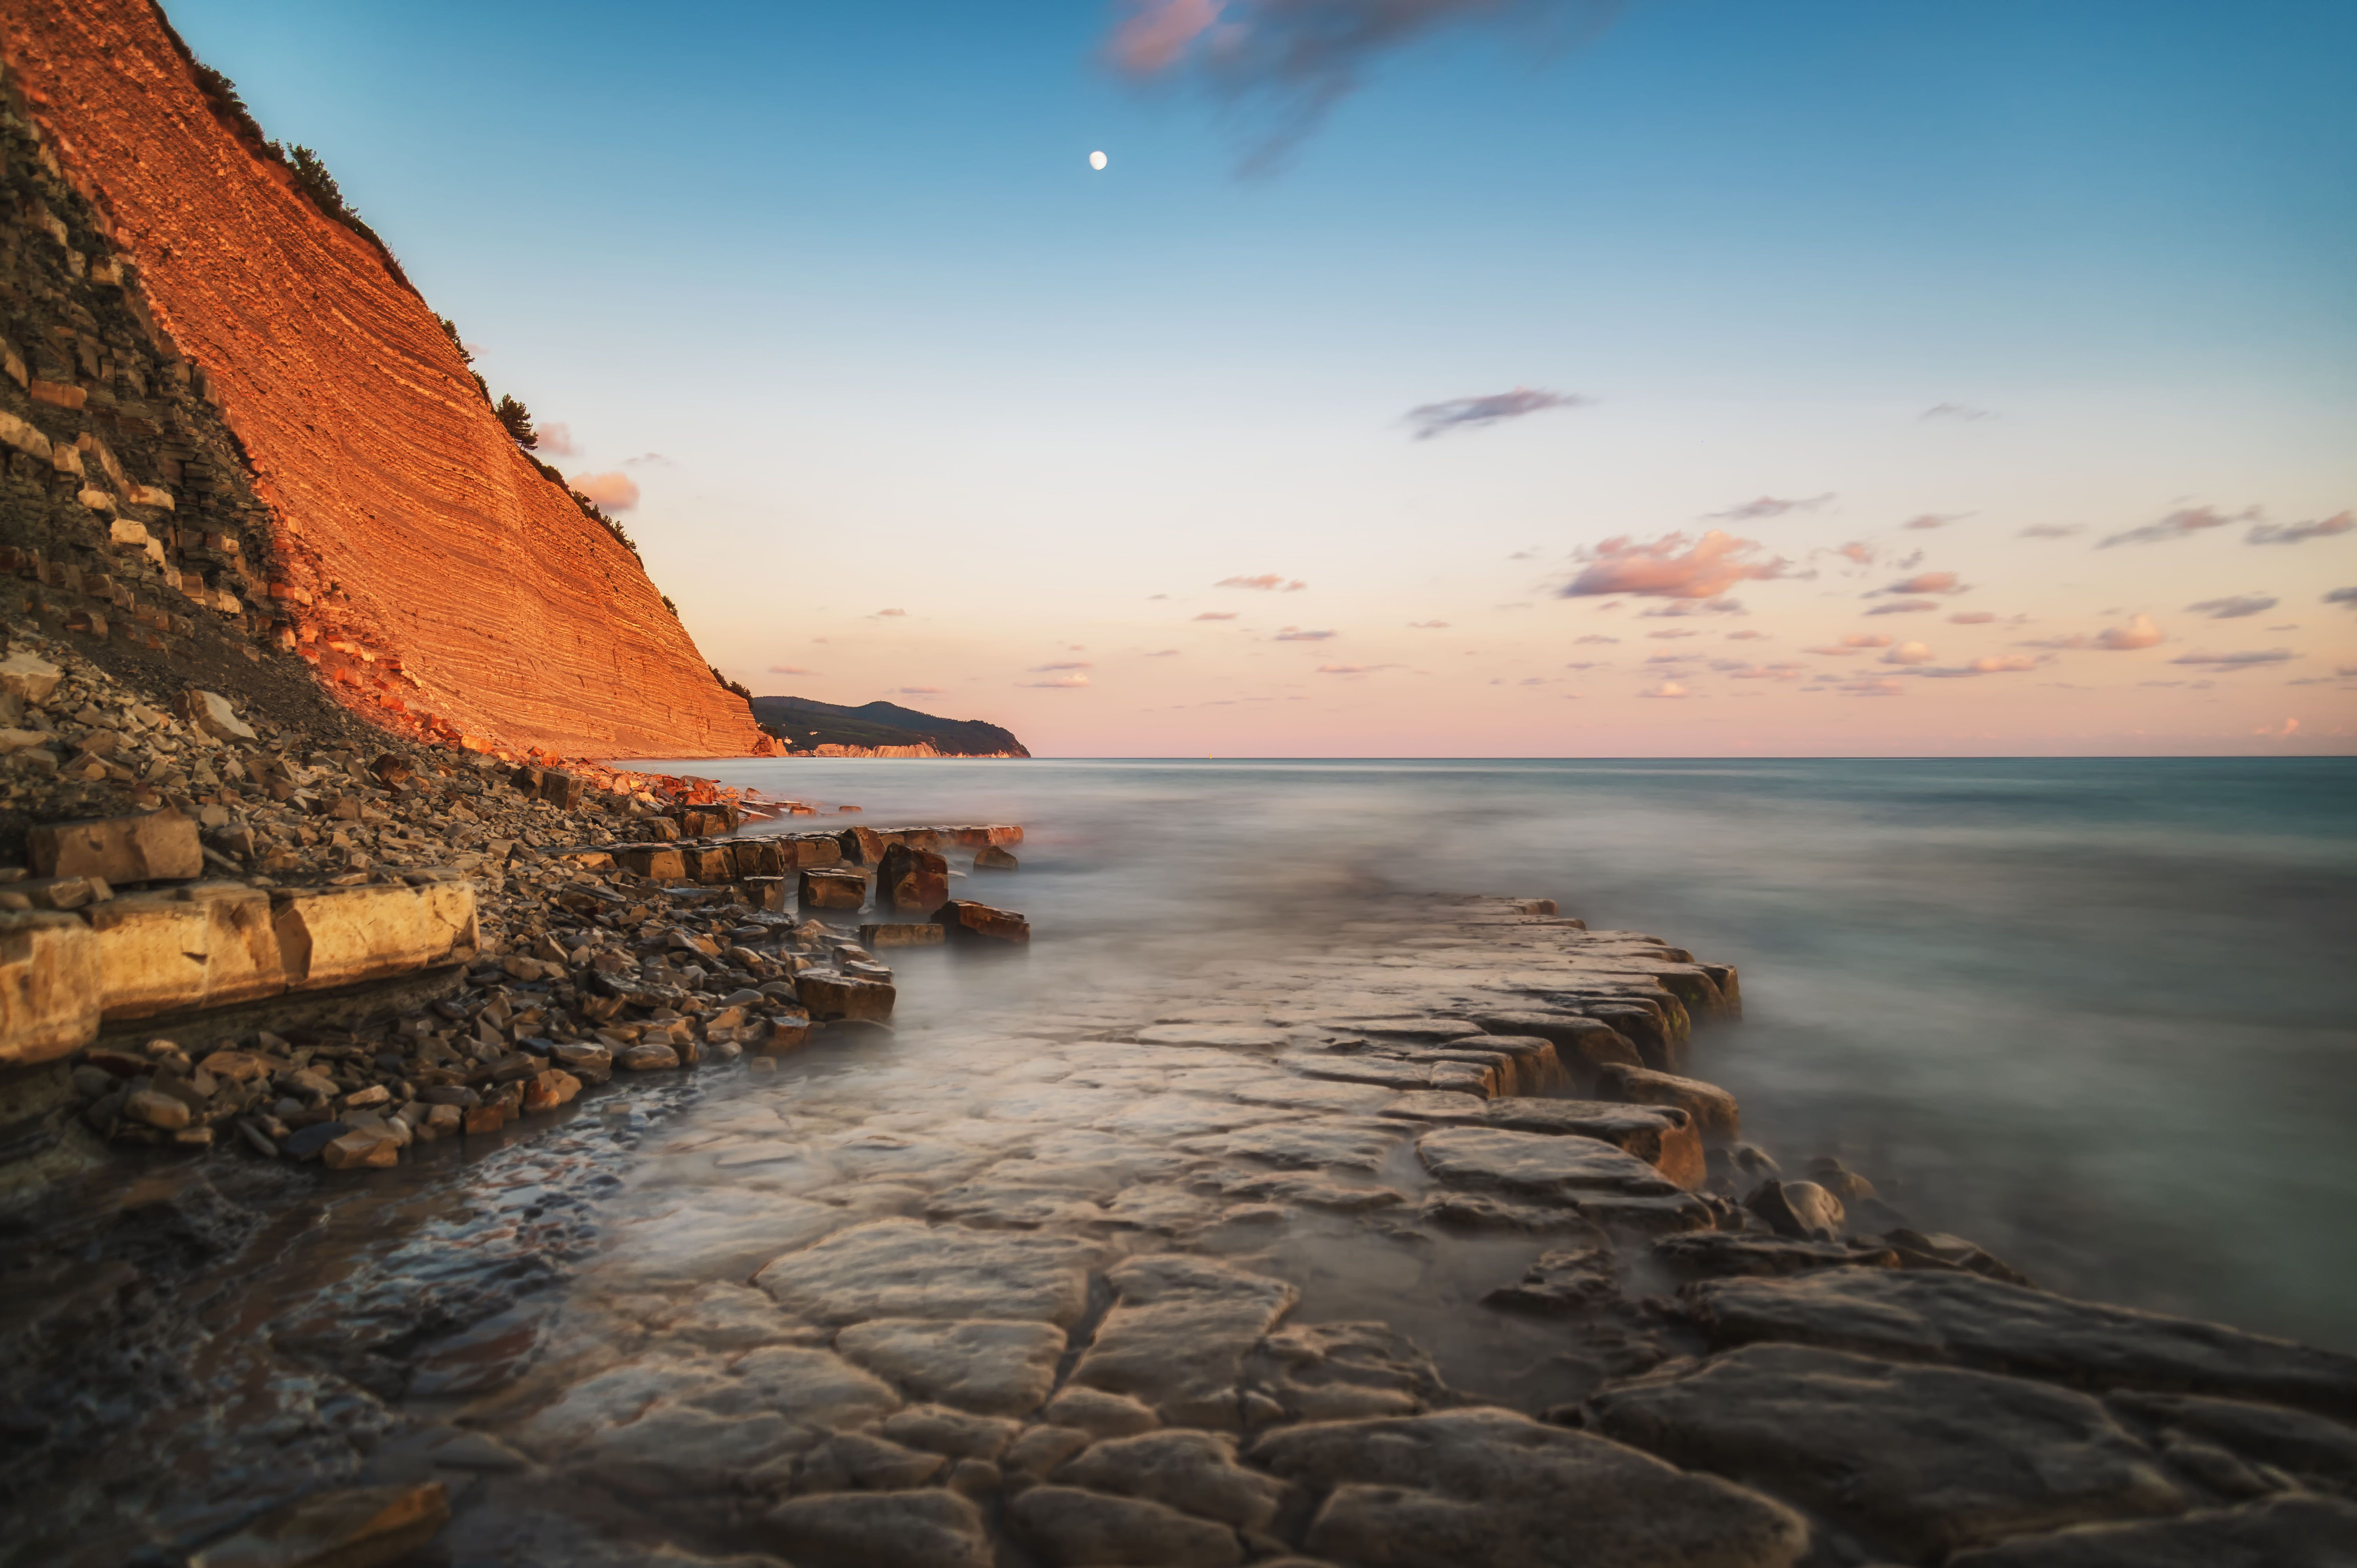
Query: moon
[1096, 160]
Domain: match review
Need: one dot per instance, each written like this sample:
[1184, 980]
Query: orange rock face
[423, 557]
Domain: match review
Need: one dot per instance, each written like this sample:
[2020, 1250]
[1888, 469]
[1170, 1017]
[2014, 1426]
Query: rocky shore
[662, 1236]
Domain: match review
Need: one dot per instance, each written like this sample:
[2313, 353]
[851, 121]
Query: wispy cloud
[1427, 626]
[1929, 582]
[1216, 615]
[887, 615]
[556, 439]
[2297, 533]
[1904, 607]
[1873, 688]
[1353, 668]
[2139, 633]
[2250, 658]
[1672, 567]
[1995, 665]
[1956, 411]
[1064, 664]
[1266, 583]
[1164, 653]
[1058, 682]
[2234, 608]
[1930, 520]
[1759, 506]
[607, 492]
[2052, 530]
[1908, 653]
[1666, 688]
[1600, 637]
[1433, 419]
[1292, 61]
[2342, 597]
[790, 669]
[2182, 524]
[918, 691]
[1857, 551]
[1674, 632]
[1856, 643]
[1971, 618]
[1677, 607]
[1297, 634]
[1746, 635]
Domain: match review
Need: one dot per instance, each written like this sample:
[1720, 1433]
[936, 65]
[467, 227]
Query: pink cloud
[1745, 636]
[1295, 634]
[1158, 33]
[1908, 653]
[1876, 688]
[1859, 551]
[789, 669]
[2051, 531]
[1929, 582]
[918, 691]
[2263, 533]
[1268, 582]
[1429, 625]
[1216, 615]
[607, 492]
[1935, 520]
[1772, 506]
[1058, 682]
[1065, 665]
[1857, 643]
[1971, 618]
[1672, 567]
[1666, 688]
[556, 439]
[1995, 665]
[883, 614]
[1353, 668]
[2140, 632]
[1904, 607]
[2182, 524]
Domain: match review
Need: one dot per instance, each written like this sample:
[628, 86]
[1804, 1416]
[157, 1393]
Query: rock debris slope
[408, 532]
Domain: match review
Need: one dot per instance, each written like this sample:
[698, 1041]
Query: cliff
[878, 729]
[413, 554]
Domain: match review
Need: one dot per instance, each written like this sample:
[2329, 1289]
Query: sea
[2098, 1015]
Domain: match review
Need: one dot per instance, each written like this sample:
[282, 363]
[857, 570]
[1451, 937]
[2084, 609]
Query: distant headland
[808, 728]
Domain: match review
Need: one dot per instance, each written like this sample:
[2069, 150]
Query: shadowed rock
[1662, 1136]
[1177, 1335]
[1491, 1486]
[2281, 1532]
[1069, 1527]
[1192, 1471]
[930, 1528]
[1927, 1459]
[1536, 1164]
[1003, 1368]
[899, 1268]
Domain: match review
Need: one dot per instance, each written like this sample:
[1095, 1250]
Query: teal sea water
[2099, 1016]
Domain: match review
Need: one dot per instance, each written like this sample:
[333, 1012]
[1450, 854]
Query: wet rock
[477, 1451]
[1662, 1137]
[1716, 1114]
[830, 996]
[304, 1142]
[1927, 1459]
[843, 890]
[153, 1108]
[2321, 1452]
[929, 1529]
[1344, 1372]
[49, 989]
[1722, 1254]
[1100, 1415]
[1476, 1211]
[912, 881]
[1323, 1143]
[1576, 1279]
[1488, 1486]
[965, 922]
[1069, 1527]
[1178, 1333]
[646, 1056]
[996, 1368]
[360, 1528]
[2281, 1532]
[151, 847]
[1585, 1045]
[589, 1063]
[361, 1148]
[900, 1268]
[1536, 1164]
[1918, 1251]
[922, 935]
[1975, 1322]
[1838, 1179]
[1802, 1209]
[990, 857]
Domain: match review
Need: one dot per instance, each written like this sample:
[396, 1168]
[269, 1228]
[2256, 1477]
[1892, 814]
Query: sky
[1419, 377]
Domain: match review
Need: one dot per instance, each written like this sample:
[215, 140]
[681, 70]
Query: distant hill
[806, 725]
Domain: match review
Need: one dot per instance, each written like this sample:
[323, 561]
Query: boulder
[1801, 1209]
[2322, 1452]
[562, 790]
[1582, 1045]
[1927, 1460]
[152, 847]
[204, 946]
[49, 987]
[990, 857]
[210, 712]
[1716, 1116]
[657, 863]
[1970, 1321]
[966, 922]
[589, 1063]
[1484, 1486]
[361, 1527]
[29, 677]
[829, 996]
[766, 893]
[340, 935]
[646, 1056]
[361, 1148]
[2280, 1533]
[845, 890]
[912, 881]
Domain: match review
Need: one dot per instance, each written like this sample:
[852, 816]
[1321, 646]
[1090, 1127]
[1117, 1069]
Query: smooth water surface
[2095, 1014]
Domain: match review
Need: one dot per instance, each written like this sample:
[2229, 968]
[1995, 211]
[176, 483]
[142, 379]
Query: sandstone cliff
[414, 555]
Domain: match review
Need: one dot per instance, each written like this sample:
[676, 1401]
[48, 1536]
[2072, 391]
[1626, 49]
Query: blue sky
[846, 270]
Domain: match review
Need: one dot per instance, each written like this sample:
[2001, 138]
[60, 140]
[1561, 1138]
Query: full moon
[1096, 160]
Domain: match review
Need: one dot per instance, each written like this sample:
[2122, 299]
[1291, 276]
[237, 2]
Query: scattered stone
[646, 1056]
[963, 920]
[152, 847]
[830, 996]
[1662, 1137]
[846, 890]
[210, 712]
[912, 881]
[922, 935]
[990, 857]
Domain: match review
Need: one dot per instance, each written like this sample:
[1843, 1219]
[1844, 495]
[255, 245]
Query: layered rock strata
[370, 516]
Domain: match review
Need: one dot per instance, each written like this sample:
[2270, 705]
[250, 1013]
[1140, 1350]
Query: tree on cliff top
[518, 419]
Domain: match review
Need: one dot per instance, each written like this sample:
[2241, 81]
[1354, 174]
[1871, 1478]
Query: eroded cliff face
[416, 556]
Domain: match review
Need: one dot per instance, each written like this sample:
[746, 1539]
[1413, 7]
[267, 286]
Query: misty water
[2093, 1014]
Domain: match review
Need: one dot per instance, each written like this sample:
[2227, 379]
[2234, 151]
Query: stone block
[833, 890]
[48, 987]
[964, 921]
[657, 863]
[990, 857]
[205, 946]
[766, 893]
[152, 847]
[340, 935]
[925, 934]
[711, 863]
[563, 790]
[827, 996]
[817, 851]
[912, 881]
[661, 830]
[1714, 1113]
[210, 712]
